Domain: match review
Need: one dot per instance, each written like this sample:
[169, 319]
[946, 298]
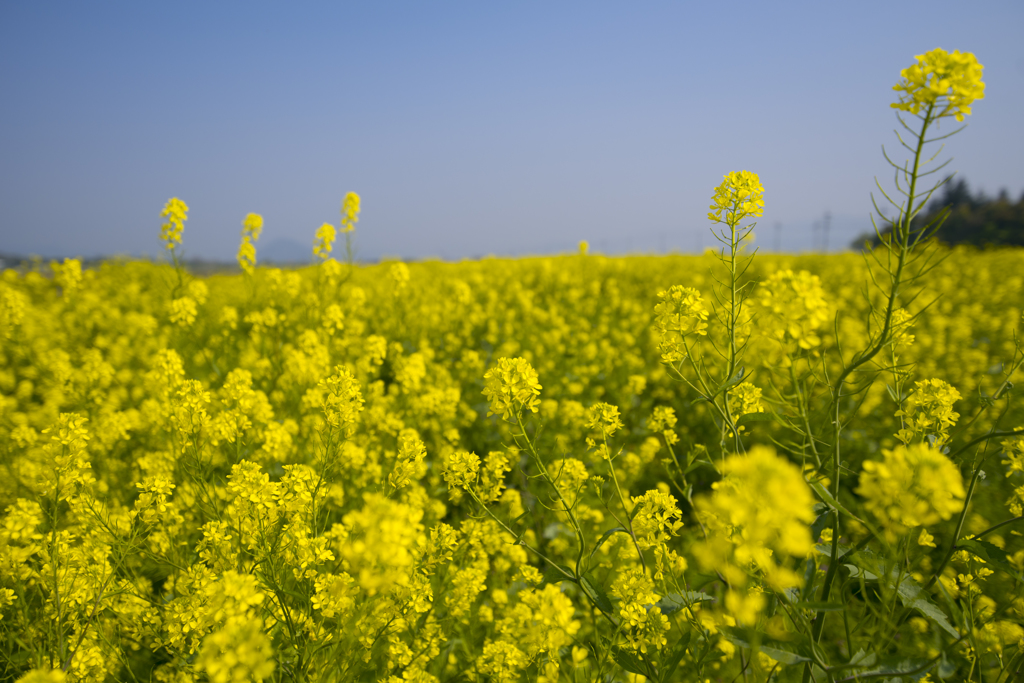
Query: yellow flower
[408, 463]
[176, 213]
[252, 226]
[461, 469]
[740, 195]
[657, 518]
[912, 486]
[543, 620]
[745, 398]
[350, 212]
[603, 418]
[381, 548]
[680, 313]
[511, 387]
[793, 307]
[344, 401]
[237, 653]
[663, 420]
[502, 661]
[68, 275]
[758, 515]
[643, 626]
[183, 311]
[43, 676]
[939, 74]
[323, 242]
[929, 411]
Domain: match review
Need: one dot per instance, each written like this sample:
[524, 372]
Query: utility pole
[778, 237]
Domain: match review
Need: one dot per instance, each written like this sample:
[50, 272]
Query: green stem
[622, 502]
[992, 528]
[959, 526]
[883, 338]
[580, 538]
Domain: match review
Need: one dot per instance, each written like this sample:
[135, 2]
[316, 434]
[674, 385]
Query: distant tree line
[973, 219]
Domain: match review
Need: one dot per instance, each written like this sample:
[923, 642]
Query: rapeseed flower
[793, 307]
[511, 387]
[680, 314]
[350, 207]
[237, 653]
[911, 486]
[757, 518]
[744, 399]
[740, 195]
[943, 80]
[176, 213]
[324, 241]
[643, 623]
[252, 226]
[929, 411]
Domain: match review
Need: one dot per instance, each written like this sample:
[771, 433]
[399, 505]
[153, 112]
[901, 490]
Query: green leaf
[832, 502]
[820, 522]
[785, 656]
[895, 667]
[630, 662]
[756, 417]
[992, 555]
[856, 573]
[553, 575]
[862, 658]
[604, 537]
[910, 592]
[778, 651]
[827, 550]
[597, 594]
[820, 606]
[912, 595]
[672, 663]
[697, 464]
[673, 602]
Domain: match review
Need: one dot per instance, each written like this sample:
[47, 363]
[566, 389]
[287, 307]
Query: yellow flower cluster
[314, 453]
[324, 241]
[794, 306]
[758, 517]
[911, 486]
[511, 386]
[949, 81]
[644, 623]
[744, 399]
[176, 213]
[740, 196]
[679, 314]
[929, 411]
[349, 212]
[274, 476]
[252, 226]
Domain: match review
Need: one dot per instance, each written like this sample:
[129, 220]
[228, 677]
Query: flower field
[726, 467]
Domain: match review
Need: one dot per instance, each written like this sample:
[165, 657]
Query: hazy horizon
[471, 129]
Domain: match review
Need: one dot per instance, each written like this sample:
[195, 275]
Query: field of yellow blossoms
[729, 467]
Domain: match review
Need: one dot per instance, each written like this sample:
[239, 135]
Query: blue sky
[470, 128]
